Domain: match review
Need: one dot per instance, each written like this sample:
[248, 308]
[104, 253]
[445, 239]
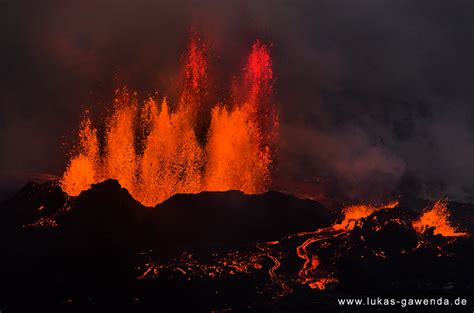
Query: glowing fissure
[236, 153]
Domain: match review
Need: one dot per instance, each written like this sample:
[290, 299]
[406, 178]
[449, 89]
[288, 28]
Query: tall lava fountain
[154, 152]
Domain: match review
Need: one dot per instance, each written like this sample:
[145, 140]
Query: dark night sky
[370, 91]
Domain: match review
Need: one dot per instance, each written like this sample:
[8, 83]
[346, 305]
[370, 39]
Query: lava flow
[255, 258]
[168, 157]
[352, 214]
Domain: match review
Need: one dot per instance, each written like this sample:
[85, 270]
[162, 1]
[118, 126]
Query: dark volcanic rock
[214, 220]
[30, 203]
[105, 215]
[385, 253]
[192, 222]
[103, 207]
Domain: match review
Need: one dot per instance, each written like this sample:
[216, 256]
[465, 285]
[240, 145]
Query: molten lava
[354, 213]
[83, 167]
[318, 251]
[155, 152]
[308, 273]
[437, 218]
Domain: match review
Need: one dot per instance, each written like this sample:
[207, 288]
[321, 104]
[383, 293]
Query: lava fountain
[154, 152]
[437, 218]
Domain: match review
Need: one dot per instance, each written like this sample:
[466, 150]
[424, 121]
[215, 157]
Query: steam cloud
[376, 94]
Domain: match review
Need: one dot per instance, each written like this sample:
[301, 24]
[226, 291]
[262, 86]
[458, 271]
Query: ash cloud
[376, 94]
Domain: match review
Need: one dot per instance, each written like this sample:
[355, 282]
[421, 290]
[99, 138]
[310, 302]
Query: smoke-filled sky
[372, 93]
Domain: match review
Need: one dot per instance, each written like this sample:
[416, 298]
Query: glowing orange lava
[83, 167]
[166, 157]
[438, 219]
[315, 271]
[354, 213]
[308, 273]
[310, 264]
